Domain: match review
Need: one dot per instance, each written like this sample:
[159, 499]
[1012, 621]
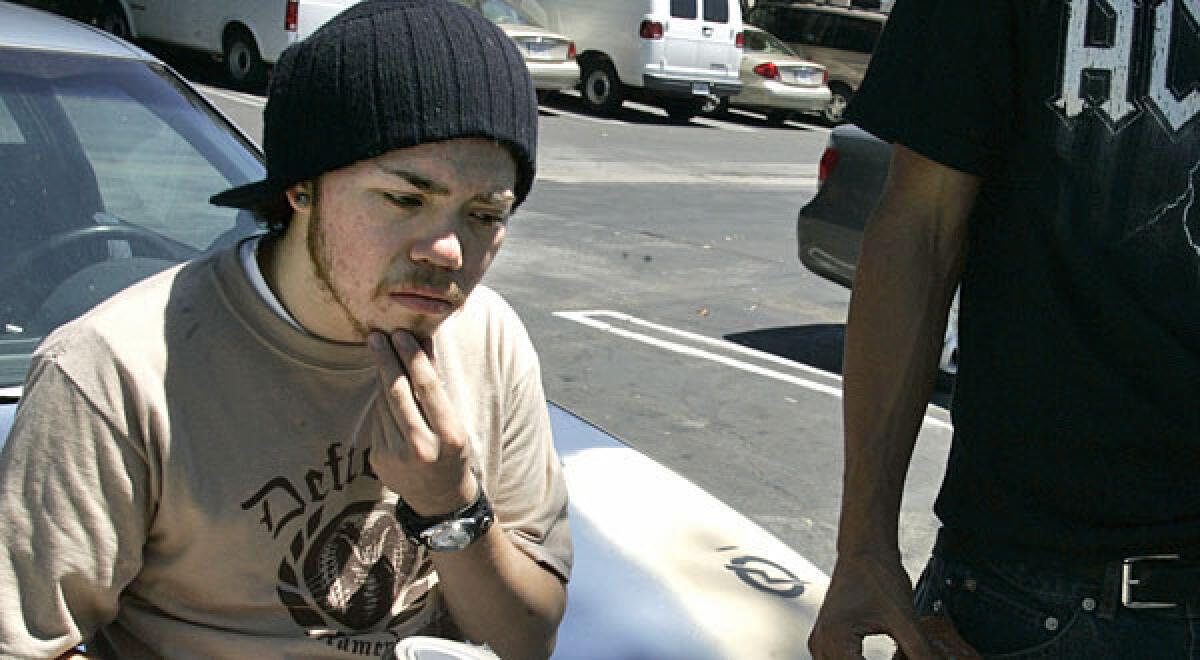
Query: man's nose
[441, 248]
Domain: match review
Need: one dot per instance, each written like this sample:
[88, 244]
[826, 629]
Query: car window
[500, 12]
[858, 35]
[785, 24]
[10, 133]
[106, 167]
[683, 9]
[762, 17]
[716, 11]
[765, 43]
[816, 29]
[145, 168]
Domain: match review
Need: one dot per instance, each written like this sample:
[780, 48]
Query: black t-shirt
[1077, 404]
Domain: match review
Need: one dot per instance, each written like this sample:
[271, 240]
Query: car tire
[602, 90]
[243, 63]
[777, 117]
[836, 108]
[111, 18]
[682, 109]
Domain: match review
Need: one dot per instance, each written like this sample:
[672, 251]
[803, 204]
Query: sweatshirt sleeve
[73, 493]
[531, 498]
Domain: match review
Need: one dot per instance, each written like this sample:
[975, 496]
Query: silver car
[550, 56]
[777, 81]
[829, 229]
[841, 38]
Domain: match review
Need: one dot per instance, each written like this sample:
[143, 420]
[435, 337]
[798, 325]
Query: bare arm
[496, 594]
[907, 271]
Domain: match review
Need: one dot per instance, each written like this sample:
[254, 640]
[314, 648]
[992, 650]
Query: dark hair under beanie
[389, 74]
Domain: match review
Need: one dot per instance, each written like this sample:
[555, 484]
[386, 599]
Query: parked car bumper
[777, 95]
[554, 76]
[668, 86]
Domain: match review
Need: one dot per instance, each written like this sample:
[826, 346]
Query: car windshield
[765, 43]
[500, 12]
[106, 167]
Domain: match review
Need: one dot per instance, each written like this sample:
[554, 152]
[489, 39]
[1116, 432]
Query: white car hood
[665, 570]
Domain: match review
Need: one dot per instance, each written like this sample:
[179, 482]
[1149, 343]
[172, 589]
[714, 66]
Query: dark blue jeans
[1019, 610]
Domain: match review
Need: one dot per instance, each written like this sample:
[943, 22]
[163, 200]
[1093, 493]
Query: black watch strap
[459, 528]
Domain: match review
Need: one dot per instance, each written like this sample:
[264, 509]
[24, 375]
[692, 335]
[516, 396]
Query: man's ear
[300, 196]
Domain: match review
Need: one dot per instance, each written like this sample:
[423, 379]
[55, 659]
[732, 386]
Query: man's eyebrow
[416, 180]
[427, 185]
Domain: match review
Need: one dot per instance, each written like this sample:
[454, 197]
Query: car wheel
[777, 117]
[602, 92]
[682, 109]
[840, 98]
[112, 19]
[243, 63]
[543, 95]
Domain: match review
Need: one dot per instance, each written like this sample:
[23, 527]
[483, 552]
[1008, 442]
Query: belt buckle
[1128, 582]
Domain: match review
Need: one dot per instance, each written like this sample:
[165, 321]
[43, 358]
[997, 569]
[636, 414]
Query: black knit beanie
[389, 74]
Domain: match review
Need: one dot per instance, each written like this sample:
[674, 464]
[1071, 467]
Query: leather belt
[1149, 582]
[1159, 581]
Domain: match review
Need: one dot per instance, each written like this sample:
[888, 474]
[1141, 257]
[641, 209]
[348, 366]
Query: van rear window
[716, 11]
[683, 8]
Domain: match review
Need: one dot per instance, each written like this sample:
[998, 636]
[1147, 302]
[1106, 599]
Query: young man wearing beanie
[328, 439]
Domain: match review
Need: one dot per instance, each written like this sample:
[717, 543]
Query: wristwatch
[449, 532]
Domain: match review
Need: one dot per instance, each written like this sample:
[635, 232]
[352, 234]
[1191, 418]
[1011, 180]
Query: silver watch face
[449, 536]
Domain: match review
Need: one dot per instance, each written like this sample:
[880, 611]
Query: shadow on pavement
[819, 346]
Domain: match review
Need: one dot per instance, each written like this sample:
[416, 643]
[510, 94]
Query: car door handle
[708, 31]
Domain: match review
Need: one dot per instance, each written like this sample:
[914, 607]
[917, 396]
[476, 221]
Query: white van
[248, 34]
[681, 54]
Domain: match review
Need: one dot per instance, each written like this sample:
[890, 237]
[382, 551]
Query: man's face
[399, 241]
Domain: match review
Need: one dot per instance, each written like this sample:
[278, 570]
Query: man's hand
[868, 595]
[494, 592]
[426, 464]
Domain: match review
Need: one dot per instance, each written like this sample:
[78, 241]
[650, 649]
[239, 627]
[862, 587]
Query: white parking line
[237, 97]
[647, 109]
[592, 319]
[557, 112]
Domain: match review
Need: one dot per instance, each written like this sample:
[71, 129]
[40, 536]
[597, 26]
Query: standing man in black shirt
[1047, 157]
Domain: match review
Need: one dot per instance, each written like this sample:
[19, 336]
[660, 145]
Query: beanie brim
[249, 195]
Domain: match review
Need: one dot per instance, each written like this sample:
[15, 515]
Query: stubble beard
[322, 260]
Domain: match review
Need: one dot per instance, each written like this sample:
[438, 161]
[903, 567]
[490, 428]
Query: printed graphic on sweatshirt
[347, 569]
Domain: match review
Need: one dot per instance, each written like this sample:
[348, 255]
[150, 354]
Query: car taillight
[767, 70]
[571, 52]
[291, 16]
[824, 77]
[829, 160]
[651, 30]
[740, 40]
